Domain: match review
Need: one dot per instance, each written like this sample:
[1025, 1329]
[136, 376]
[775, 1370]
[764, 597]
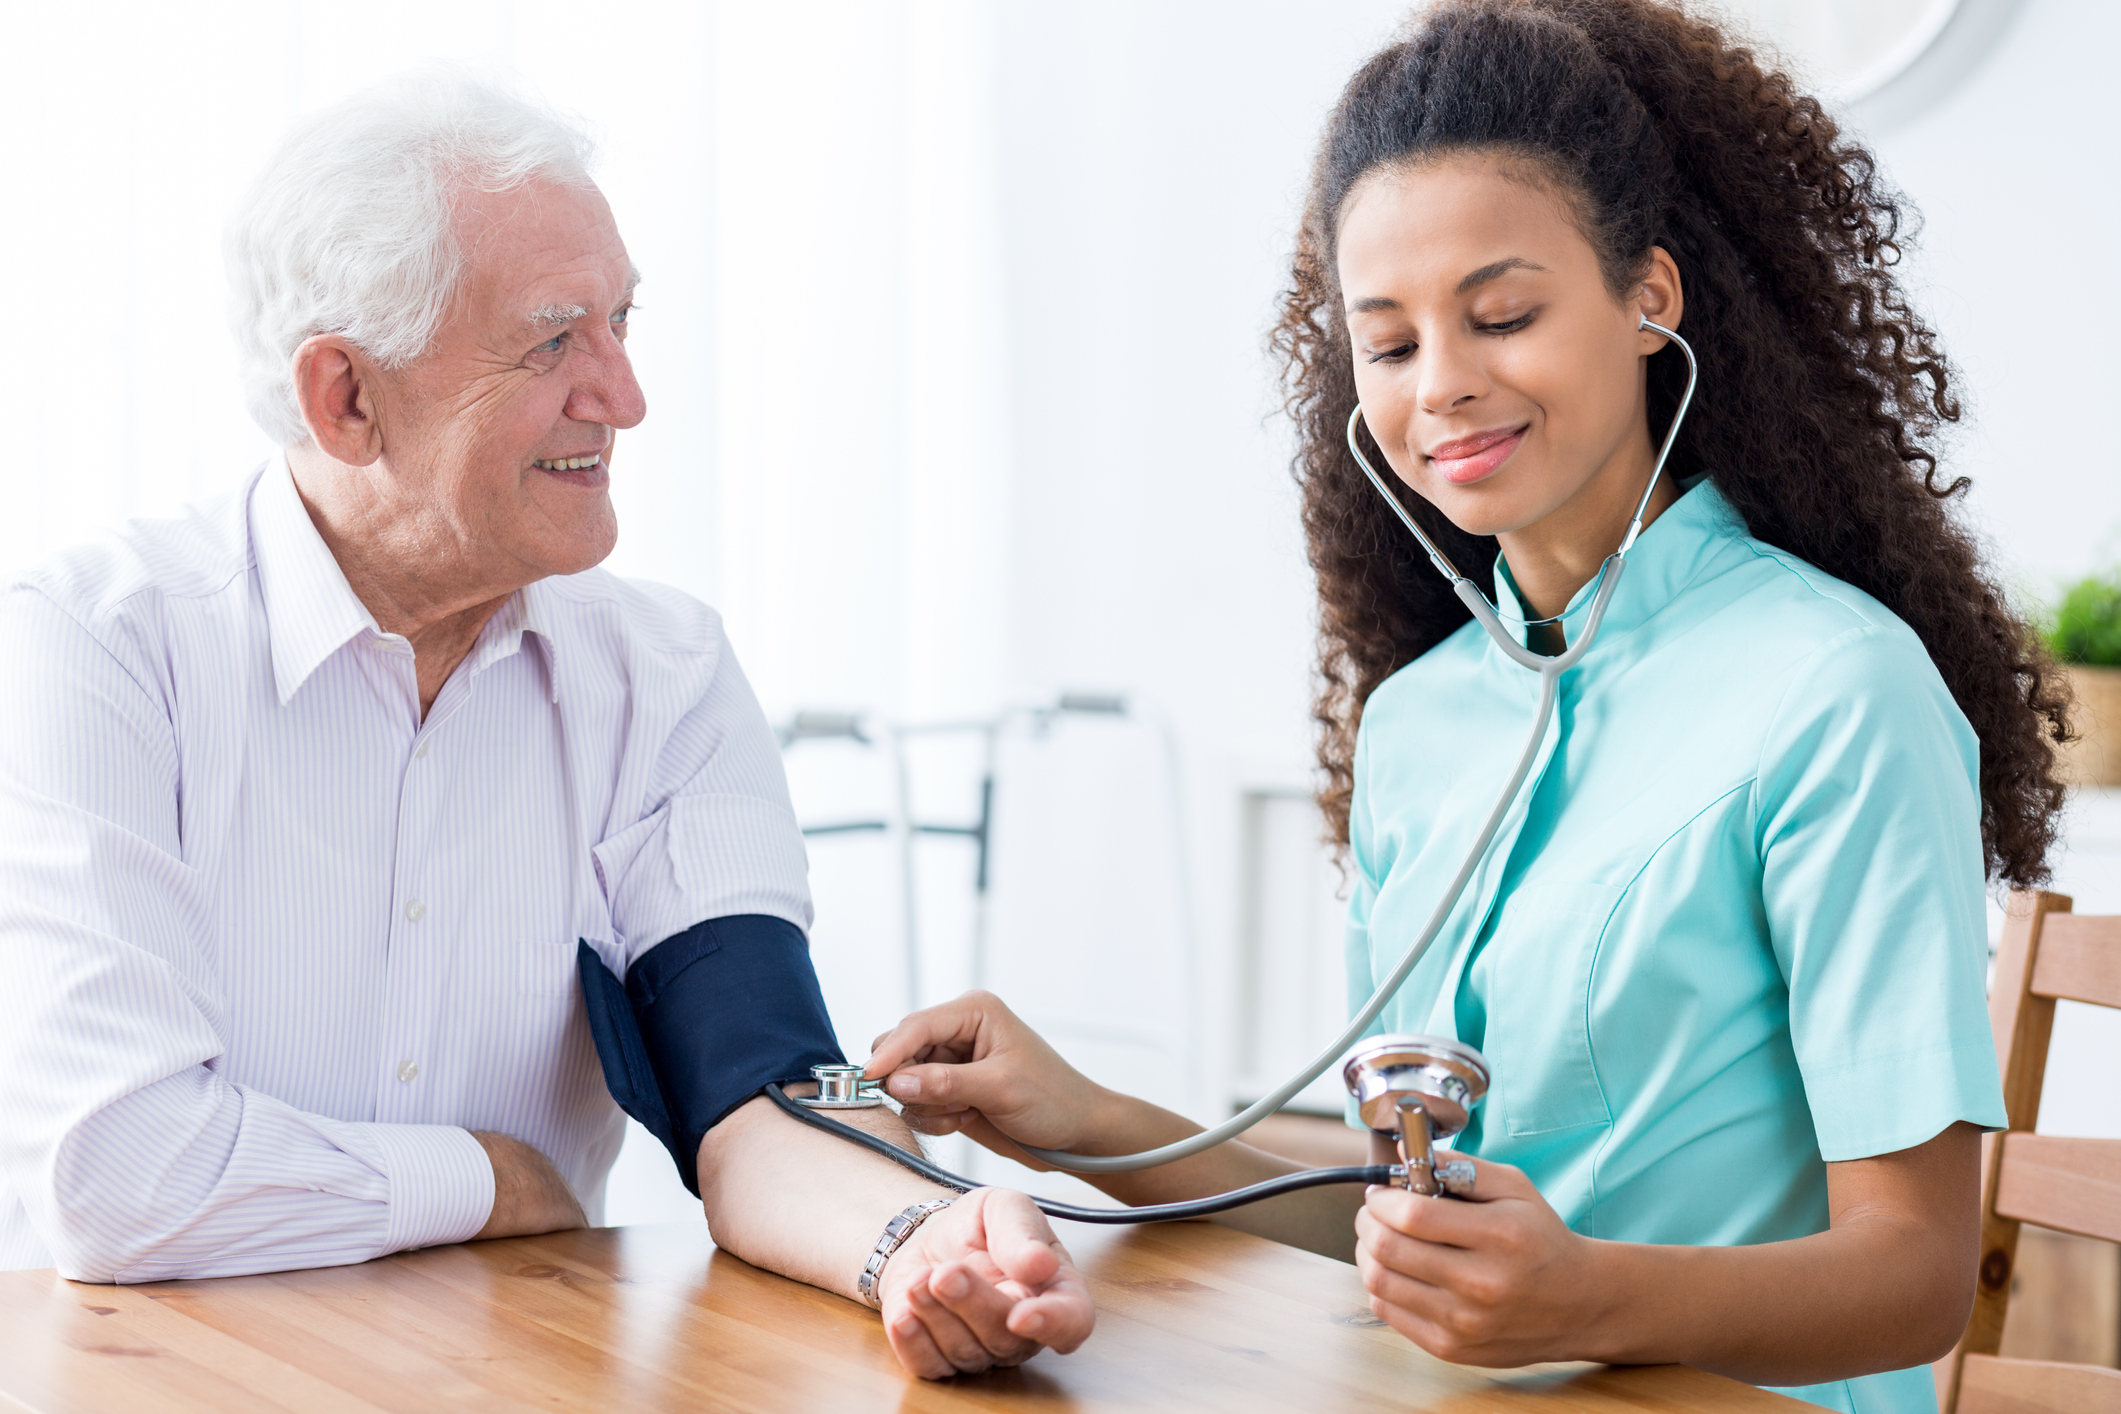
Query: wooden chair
[2073, 1185]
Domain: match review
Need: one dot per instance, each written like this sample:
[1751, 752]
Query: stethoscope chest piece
[841, 1087]
[1415, 1090]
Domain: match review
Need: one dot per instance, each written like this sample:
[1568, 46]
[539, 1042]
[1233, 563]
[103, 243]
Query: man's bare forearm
[799, 1202]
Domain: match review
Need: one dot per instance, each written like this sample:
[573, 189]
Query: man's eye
[625, 314]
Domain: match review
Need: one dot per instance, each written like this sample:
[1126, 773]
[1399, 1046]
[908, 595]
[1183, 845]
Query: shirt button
[415, 910]
[408, 1071]
[420, 750]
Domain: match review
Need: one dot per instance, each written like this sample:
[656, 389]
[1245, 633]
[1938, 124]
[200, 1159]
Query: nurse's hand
[1496, 1280]
[983, 1283]
[971, 1066]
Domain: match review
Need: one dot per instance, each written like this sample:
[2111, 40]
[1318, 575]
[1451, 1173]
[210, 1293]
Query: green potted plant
[2085, 634]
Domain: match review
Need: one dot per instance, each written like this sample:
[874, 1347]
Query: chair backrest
[2073, 1185]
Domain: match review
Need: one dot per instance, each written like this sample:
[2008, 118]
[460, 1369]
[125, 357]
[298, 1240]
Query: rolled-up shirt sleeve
[134, 1158]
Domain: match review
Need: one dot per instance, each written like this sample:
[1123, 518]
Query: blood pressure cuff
[704, 1021]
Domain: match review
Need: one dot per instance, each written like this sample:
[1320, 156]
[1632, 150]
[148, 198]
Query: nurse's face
[1501, 377]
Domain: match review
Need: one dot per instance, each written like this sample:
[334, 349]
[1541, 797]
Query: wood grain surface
[1190, 1317]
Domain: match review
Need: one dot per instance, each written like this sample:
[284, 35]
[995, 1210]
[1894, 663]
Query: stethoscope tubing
[1550, 671]
[1147, 1213]
[1549, 684]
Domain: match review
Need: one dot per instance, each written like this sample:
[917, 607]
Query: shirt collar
[311, 611]
[1668, 554]
[528, 610]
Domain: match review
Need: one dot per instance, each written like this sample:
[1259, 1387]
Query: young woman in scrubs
[1726, 956]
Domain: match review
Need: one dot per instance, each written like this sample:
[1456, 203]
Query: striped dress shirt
[271, 944]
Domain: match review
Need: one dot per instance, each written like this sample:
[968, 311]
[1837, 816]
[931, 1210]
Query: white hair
[350, 228]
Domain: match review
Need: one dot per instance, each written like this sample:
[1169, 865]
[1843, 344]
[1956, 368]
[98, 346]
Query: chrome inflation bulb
[1416, 1090]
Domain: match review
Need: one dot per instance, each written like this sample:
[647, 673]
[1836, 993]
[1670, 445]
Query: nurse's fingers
[977, 1084]
[1450, 1220]
[974, 1125]
[1429, 1219]
[1423, 1332]
[1409, 1294]
[1432, 1263]
[1492, 1180]
[933, 1121]
[952, 1027]
[1437, 1319]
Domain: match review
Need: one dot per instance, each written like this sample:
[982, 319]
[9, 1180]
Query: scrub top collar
[1669, 553]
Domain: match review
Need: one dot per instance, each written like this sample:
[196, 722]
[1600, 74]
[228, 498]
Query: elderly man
[306, 798]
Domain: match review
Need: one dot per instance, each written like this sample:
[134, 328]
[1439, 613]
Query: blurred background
[953, 337]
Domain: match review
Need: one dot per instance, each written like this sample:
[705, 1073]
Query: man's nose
[606, 390]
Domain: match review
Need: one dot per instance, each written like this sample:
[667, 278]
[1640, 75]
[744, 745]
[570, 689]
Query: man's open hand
[983, 1283]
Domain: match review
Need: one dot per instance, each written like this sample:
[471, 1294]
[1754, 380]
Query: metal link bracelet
[896, 1232]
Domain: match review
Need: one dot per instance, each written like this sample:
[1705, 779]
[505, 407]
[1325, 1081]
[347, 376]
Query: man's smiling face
[503, 430]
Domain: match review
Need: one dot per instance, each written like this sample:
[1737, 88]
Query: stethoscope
[1412, 1089]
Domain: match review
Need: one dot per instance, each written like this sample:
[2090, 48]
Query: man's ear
[332, 389]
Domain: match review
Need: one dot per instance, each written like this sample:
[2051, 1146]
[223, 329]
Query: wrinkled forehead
[541, 254]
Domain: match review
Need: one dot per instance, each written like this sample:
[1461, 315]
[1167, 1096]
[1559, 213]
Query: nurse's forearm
[1818, 1308]
[1888, 1287]
[1317, 1219]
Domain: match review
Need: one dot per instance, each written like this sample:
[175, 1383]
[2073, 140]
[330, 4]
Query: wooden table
[1190, 1317]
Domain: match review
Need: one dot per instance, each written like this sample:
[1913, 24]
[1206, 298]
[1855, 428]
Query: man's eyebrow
[557, 314]
[568, 313]
[1494, 270]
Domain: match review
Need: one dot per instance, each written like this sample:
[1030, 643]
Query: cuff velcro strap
[705, 1020]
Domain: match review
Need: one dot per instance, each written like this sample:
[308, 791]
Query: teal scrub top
[1733, 929]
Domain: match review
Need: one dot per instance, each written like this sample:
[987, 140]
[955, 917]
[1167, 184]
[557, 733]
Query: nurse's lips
[1470, 458]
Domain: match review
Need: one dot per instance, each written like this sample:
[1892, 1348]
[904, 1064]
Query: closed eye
[1508, 326]
[1392, 355]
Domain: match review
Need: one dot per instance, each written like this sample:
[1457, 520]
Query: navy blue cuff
[705, 1020]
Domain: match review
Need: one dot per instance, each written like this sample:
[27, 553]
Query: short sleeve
[1869, 829]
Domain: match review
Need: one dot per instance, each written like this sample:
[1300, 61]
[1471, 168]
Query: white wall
[2014, 175]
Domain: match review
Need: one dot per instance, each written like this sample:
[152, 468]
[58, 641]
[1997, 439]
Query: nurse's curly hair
[1821, 397]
